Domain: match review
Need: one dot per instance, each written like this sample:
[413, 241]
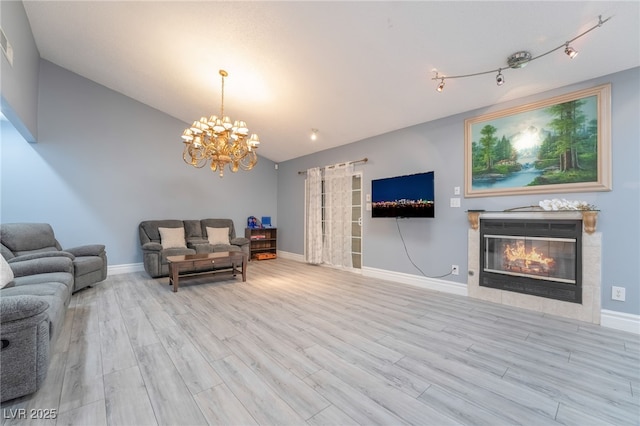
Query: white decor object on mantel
[563, 204]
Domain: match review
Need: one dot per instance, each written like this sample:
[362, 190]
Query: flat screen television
[403, 196]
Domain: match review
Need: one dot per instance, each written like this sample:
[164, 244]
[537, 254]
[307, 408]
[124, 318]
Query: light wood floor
[299, 344]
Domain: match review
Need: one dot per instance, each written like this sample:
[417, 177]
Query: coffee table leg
[173, 270]
[244, 268]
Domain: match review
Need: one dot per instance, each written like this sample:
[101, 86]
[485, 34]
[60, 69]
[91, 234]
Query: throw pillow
[6, 274]
[218, 235]
[172, 238]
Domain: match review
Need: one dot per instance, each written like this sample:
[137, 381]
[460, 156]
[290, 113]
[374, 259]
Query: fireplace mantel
[588, 310]
[588, 217]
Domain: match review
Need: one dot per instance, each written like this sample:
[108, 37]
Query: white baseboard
[399, 277]
[125, 268]
[620, 321]
[416, 280]
[290, 256]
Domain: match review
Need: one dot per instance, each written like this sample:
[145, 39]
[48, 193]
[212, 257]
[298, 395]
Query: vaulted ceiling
[352, 70]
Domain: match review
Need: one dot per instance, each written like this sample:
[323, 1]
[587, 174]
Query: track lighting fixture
[570, 51]
[520, 59]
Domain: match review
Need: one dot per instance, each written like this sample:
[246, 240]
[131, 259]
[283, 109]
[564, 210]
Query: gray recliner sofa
[196, 240]
[21, 241]
[40, 279]
[32, 312]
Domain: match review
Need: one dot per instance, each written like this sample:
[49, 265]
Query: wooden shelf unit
[263, 242]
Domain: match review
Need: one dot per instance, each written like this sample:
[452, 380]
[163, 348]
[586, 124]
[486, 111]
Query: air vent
[6, 47]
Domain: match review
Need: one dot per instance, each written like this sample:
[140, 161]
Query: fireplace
[535, 257]
[588, 266]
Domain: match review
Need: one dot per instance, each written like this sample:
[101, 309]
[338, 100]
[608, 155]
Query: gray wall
[19, 83]
[436, 244]
[105, 162]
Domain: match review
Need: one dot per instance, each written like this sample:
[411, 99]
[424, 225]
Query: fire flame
[518, 258]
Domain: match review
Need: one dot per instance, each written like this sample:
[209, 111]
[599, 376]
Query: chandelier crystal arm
[519, 62]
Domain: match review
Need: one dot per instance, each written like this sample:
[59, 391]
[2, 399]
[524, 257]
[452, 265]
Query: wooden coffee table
[206, 264]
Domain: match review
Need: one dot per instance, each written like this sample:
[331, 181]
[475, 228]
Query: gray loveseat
[39, 279]
[195, 239]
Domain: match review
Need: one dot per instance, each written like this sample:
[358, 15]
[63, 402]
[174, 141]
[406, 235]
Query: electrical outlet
[455, 270]
[618, 293]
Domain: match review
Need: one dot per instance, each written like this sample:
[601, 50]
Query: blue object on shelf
[266, 221]
[252, 222]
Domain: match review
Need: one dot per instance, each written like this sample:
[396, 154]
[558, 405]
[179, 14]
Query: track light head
[570, 51]
[499, 78]
[440, 86]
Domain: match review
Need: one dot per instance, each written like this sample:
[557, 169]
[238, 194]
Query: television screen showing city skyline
[404, 196]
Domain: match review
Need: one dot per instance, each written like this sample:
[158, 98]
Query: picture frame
[561, 144]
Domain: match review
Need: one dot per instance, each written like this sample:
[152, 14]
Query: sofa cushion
[6, 274]
[48, 249]
[41, 265]
[22, 238]
[217, 236]
[192, 230]
[148, 230]
[56, 278]
[35, 254]
[172, 238]
[48, 288]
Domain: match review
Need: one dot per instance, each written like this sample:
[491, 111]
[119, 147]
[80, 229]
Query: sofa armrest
[41, 255]
[87, 250]
[20, 307]
[42, 265]
[149, 247]
[240, 241]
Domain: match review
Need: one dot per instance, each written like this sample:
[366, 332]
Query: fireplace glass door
[541, 258]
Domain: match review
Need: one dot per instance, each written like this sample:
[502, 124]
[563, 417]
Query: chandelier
[217, 140]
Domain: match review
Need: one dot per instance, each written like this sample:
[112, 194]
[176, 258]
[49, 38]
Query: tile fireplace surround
[588, 310]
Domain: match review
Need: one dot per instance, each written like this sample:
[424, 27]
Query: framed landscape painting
[562, 144]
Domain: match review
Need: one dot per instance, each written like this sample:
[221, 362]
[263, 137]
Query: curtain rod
[364, 160]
